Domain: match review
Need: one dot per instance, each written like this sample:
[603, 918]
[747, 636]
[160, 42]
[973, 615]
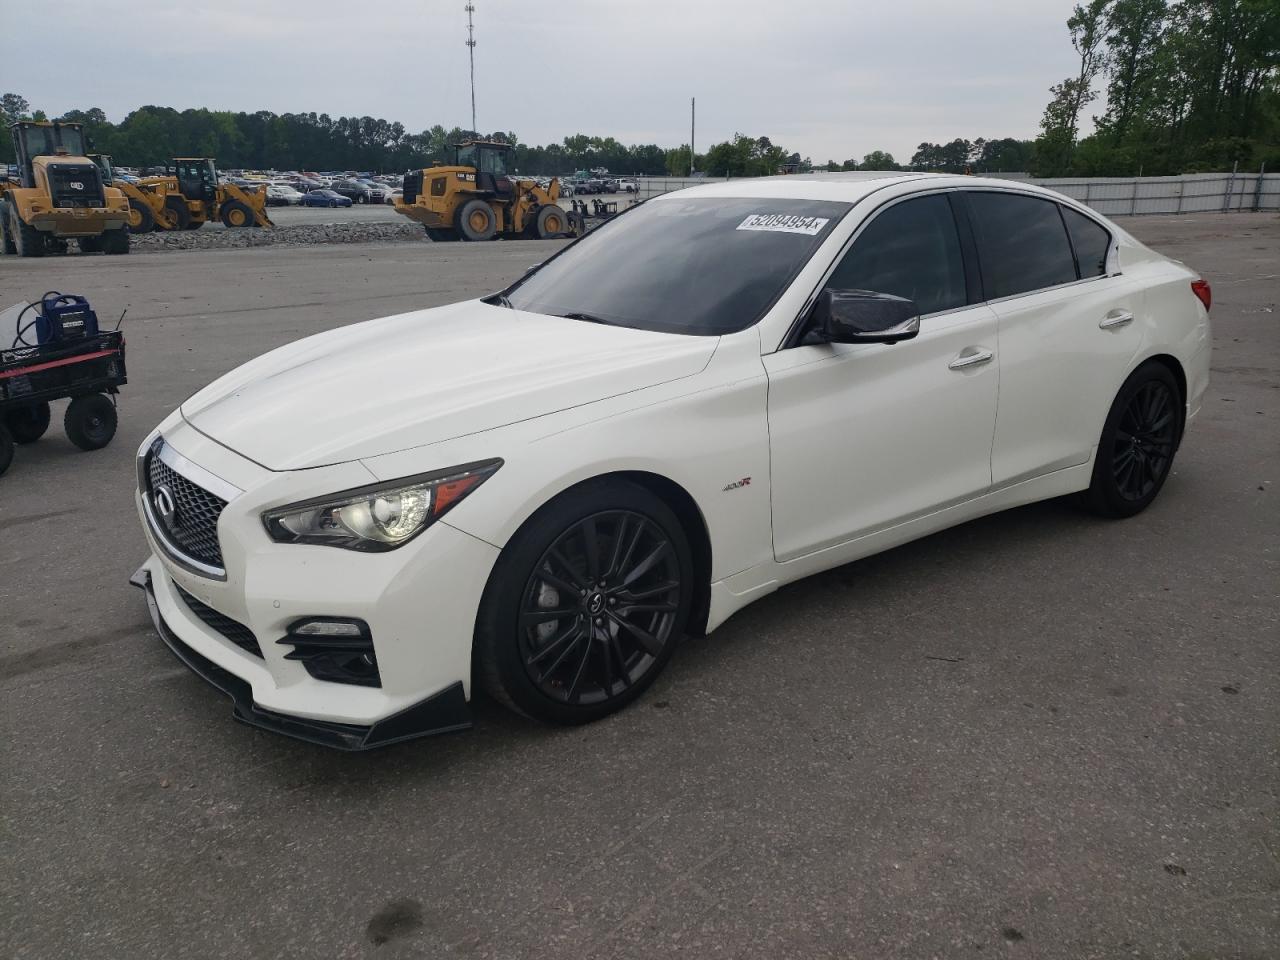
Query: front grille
[233, 630]
[77, 185]
[194, 526]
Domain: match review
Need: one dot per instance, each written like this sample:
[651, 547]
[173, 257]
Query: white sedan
[718, 392]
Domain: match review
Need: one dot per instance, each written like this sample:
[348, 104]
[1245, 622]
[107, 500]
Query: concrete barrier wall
[1113, 197]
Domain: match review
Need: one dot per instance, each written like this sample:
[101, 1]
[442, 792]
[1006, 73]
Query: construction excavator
[188, 196]
[475, 199]
[58, 194]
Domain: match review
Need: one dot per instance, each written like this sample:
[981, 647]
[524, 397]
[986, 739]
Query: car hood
[419, 378]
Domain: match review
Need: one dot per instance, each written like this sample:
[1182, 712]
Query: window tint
[493, 161]
[1021, 242]
[910, 250]
[698, 265]
[1091, 243]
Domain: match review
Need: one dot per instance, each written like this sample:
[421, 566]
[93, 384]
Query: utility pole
[471, 52]
[693, 126]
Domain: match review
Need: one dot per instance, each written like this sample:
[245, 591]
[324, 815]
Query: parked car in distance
[393, 194]
[352, 189]
[280, 195]
[324, 198]
[730, 388]
[377, 191]
[627, 186]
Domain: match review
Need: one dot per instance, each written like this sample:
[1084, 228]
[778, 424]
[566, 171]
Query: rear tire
[235, 215]
[141, 219]
[27, 239]
[1139, 439]
[476, 221]
[552, 221]
[90, 421]
[27, 424]
[114, 242]
[7, 246]
[569, 633]
[179, 213]
[6, 449]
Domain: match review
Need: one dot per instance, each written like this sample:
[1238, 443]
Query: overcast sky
[825, 78]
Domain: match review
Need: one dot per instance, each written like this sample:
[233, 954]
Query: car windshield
[703, 266]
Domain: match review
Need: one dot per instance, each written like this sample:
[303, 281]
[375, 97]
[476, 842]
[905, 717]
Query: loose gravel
[213, 238]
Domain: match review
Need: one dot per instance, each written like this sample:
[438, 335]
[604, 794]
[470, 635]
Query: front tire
[551, 221]
[235, 215]
[586, 604]
[141, 219]
[90, 421]
[1138, 443]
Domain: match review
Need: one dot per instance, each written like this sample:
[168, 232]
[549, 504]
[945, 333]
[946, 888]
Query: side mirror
[863, 316]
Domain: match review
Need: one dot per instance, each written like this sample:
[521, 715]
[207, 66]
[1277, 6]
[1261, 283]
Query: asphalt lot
[1036, 735]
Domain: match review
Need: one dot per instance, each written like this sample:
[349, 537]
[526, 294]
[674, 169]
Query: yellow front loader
[58, 195]
[474, 199]
[188, 197]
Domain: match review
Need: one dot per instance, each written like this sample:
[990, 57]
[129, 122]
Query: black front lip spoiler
[445, 712]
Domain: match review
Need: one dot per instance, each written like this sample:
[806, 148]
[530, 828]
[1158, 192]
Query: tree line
[1189, 86]
[151, 135]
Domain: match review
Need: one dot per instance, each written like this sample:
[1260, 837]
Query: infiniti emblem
[166, 506]
[595, 603]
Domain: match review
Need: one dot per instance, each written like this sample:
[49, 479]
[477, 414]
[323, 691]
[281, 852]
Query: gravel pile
[211, 238]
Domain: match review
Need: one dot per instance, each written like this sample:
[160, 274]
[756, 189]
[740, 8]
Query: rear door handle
[971, 359]
[1116, 318]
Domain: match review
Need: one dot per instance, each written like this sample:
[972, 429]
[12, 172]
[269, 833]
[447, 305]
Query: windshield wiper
[498, 300]
[588, 317]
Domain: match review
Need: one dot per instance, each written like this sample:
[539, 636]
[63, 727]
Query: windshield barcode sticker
[784, 223]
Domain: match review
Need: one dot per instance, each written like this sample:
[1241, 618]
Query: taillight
[1201, 289]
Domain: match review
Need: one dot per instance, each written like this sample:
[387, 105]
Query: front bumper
[419, 603]
[445, 712]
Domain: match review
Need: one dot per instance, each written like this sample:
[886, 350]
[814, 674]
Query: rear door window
[1022, 243]
[1091, 242]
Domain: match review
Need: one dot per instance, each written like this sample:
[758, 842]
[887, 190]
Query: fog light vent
[334, 649]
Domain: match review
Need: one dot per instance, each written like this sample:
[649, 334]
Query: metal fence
[1112, 197]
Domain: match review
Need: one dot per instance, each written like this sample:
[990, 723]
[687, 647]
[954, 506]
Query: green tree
[1061, 121]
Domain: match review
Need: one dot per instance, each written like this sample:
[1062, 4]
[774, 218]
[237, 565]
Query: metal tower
[471, 52]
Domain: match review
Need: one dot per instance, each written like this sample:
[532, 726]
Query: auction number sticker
[784, 223]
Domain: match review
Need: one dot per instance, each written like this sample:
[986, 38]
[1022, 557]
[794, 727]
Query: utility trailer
[75, 361]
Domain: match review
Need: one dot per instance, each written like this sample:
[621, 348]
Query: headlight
[379, 517]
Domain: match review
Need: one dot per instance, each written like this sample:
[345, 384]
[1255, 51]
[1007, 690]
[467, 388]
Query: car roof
[849, 187]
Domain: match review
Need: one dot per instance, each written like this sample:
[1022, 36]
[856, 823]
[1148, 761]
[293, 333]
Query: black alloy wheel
[1138, 443]
[1143, 445]
[599, 608]
[586, 604]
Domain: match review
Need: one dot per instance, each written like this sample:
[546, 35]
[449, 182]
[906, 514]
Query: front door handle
[1116, 318]
[971, 359]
